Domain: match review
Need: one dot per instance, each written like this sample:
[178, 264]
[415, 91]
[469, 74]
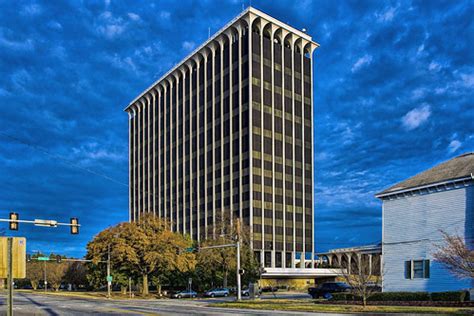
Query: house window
[417, 269]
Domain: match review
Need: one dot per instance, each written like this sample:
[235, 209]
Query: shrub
[452, 296]
[400, 296]
[385, 297]
[343, 297]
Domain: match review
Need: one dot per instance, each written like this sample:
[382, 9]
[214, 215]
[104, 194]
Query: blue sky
[393, 84]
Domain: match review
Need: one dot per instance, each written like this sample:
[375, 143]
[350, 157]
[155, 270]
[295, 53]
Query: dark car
[183, 294]
[326, 289]
[217, 292]
[269, 289]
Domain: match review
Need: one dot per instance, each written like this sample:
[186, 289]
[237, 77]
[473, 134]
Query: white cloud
[416, 117]
[188, 45]
[31, 9]
[365, 60]
[133, 16]
[468, 80]
[110, 26]
[434, 66]
[55, 25]
[5, 42]
[454, 145]
[387, 15]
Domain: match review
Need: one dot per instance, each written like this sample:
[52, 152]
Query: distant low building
[353, 258]
[415, 211]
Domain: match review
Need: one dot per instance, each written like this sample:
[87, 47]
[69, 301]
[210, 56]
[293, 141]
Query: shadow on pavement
[48, 310]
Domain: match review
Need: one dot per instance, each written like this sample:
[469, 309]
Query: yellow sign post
[12, 264]
[18, 257]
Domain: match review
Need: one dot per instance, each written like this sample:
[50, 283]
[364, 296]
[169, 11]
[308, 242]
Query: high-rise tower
[227, 133]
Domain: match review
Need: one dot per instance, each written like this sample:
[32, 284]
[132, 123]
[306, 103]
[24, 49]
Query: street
[40, 304]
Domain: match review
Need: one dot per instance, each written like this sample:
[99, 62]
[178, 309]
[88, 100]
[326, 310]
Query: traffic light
[74, 226]
[13, 221]
[241, 271]
[58, 259]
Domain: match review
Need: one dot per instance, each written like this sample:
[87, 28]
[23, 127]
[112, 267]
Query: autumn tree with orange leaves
[143, 248]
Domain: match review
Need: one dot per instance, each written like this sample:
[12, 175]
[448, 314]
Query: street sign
[109, 278]
[189, 249]
[43, 258]
[18, 255]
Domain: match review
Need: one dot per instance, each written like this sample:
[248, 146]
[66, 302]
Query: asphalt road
[40, 304]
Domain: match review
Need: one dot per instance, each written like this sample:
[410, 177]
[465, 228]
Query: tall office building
[227, 133]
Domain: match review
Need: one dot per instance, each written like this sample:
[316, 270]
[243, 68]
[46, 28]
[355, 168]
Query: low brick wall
[402, 303]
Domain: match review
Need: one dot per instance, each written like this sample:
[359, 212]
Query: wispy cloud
[188, 45]
[361, 62]
[454, 145]
[416, 117]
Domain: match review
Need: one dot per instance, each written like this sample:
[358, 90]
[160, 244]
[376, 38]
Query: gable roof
[456, 168]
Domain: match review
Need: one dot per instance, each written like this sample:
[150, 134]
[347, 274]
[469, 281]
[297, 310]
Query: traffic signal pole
[10, 276]
[239, 271]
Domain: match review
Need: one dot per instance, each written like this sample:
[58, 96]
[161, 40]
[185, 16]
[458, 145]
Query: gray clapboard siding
[411, 231]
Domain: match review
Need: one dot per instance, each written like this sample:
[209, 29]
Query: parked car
[269, 289]
[326, 289]
[183, 294]
[217, 292]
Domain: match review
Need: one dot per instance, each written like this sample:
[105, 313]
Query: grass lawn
[309, 306]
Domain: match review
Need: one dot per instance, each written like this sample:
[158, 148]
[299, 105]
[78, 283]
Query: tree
[34, 273]
[143, 248]
[75, 274]
[363, 277]
[456, 256]
[220, 263]
[56, 273]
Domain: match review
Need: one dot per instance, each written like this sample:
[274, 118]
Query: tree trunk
[159, 288]
[225, 279]
[123, 289]
[364, 300]
[145, 284]
[34, 285]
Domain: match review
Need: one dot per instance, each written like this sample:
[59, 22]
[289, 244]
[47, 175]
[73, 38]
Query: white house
[414, 212]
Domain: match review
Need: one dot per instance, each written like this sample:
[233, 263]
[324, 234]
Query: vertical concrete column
[230, 37]
[191, 184]
[183, 153]
[147, 152]
[177, 205]
[139, 158]
[284, 33]
[144, 158]
[370, 264]
[213, 141]
[164, 148]
[198, 172]
[262, 153]
[130, 165]
[273, 29]
[160, 146]
[153, 140]
[250, 20]
[313, 46]
[221, 47]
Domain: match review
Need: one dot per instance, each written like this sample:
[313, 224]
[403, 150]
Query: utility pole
[10, 276]
[45, 282]
[109, 283]
[239, 291]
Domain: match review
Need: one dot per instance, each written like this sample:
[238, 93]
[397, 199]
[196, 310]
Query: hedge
[454, 296]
